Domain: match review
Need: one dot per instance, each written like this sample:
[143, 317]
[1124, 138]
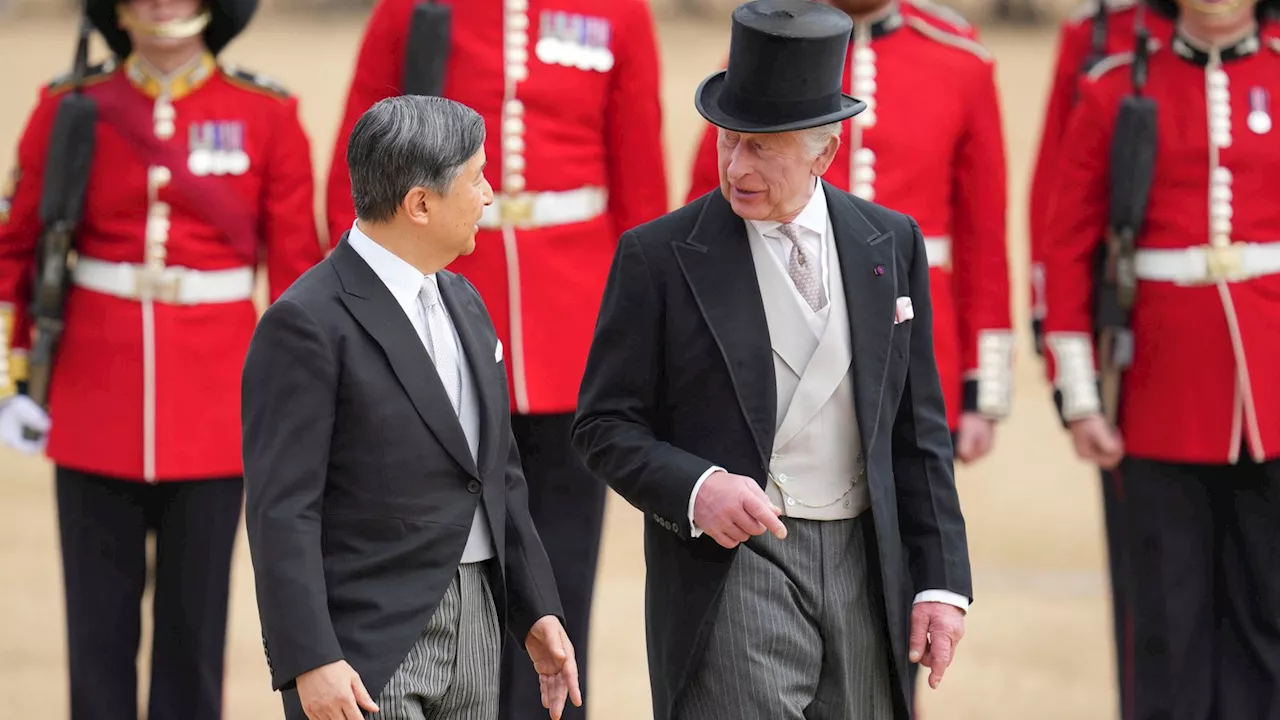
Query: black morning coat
[360, 486]
[680, 377]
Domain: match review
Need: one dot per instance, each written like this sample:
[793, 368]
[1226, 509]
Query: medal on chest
[572, 40]
[217, 147]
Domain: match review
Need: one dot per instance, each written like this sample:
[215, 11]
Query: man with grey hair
[762, 385]
[386, 508]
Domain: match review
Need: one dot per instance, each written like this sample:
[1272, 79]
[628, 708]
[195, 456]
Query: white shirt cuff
[694, 530]
[944, 596]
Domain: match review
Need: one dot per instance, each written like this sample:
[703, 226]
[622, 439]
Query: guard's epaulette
[254, 81]
[1118, 60]
[93, 74]
[934, 32]
[945, 14]
[1089, 9]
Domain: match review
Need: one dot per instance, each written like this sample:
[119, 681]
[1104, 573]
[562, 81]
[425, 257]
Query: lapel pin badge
[879, 270]
[1259, 120]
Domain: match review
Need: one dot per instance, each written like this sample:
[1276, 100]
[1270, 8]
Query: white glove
[20, 413]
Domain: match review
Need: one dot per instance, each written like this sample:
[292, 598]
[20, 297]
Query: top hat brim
[228, 18]
[710, 96]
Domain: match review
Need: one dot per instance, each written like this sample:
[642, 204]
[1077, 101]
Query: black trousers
[1117, 567]
[103, 524]
[1203, 545]
[567, 504]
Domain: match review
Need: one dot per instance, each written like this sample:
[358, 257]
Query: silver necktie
[804, 270]
[439, 339]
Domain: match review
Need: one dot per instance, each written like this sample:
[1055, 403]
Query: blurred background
[1037, 645]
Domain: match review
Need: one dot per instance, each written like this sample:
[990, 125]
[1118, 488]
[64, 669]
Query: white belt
[542, 209]
[1207, 263]
[173, 285]
[938, 250]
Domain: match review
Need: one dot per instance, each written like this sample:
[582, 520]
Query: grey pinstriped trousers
[451, 672]
[799, 634]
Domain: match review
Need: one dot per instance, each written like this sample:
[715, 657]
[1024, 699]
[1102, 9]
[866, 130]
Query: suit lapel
[373, 306]
[716, 262]
[469, 320]
[870, 293]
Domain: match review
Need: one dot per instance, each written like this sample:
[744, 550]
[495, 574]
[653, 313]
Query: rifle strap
[129, 113]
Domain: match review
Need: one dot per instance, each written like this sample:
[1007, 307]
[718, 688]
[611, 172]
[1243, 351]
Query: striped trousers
[799, 634]
[451, 672]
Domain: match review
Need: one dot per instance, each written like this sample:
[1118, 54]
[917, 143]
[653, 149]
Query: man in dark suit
[762, 386]
[387, 513]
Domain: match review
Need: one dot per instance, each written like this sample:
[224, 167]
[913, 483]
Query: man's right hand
[18, 414]
[731, 508]
[1097, 442]
[333, 692]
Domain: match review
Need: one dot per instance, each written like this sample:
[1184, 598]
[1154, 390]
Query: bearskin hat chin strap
[182, 28]
[1212, 8]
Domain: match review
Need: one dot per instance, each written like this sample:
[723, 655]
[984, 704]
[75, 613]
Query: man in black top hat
[196, 173]
[762, 386]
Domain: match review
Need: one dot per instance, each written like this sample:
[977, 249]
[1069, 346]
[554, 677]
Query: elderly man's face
[770, 177]
[455, 216]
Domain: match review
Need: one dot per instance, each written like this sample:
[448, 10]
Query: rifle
[66, 174]
[1132, 163]
[426, 52]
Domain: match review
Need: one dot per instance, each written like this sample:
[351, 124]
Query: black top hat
[228, 18]
[786, 63]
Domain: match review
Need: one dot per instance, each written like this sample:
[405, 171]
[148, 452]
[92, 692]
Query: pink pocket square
[904, 311]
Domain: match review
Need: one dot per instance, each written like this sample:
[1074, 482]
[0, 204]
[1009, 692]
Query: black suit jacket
[360, 485]
[680, 377]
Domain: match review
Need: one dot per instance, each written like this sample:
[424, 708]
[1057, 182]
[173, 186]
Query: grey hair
[405, 142]
[815, 139]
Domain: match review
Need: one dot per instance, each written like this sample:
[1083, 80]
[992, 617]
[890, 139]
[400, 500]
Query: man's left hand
[936, 629]
[975, 436]
[553, 657]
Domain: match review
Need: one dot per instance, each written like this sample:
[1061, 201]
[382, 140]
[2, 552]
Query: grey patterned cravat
[803, 272]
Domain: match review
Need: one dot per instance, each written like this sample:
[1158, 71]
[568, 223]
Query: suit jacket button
[473, 487]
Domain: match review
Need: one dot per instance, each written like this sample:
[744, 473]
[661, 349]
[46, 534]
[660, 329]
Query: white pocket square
[497, 352]
[904, 311]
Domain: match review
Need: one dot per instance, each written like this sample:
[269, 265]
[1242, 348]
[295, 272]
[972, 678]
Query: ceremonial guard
[931, 145]
[1098, 29]
[1163, 295]
[569, 90]
[193, 174]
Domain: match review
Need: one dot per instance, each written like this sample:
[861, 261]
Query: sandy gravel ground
[1037, 644]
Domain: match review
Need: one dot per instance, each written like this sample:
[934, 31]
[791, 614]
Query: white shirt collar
[402, 279]
[812, 218]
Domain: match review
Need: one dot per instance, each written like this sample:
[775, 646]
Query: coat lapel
[479, 350]
[373, 306]
[870, 295]
[717, 264]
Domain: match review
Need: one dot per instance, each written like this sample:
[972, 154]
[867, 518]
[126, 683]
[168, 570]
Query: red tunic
[1075, 46]
[150, 390]
[1202, 377]
[931, 145]
[592, 129]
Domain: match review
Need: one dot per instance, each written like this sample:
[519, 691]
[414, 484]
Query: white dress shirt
[405, 283]
[814, 223]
